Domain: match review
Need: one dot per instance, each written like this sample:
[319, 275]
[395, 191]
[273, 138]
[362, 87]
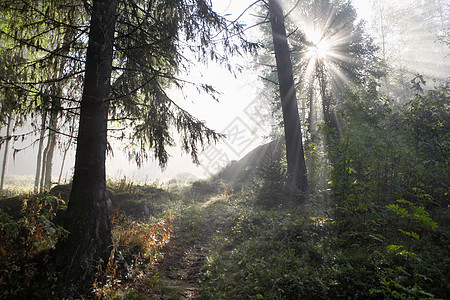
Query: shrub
[273, 187]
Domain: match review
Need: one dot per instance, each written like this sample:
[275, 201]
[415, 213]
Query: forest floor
[180, 270]
[195, 243]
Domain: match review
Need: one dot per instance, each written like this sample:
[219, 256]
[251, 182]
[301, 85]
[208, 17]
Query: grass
[282, 254]
[195, 242]
[262, 254]
[18, 184]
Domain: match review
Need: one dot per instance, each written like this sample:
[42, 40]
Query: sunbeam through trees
[346, 196]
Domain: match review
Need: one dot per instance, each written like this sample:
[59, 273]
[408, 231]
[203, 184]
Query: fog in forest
[224, 149]
[410, 41]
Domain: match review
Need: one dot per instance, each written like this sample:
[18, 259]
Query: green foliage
[283, 253]
[9, 227]
[273, 187]
[44, 50]
[386, 155]
[383, 157]
[25, 245]
[265, 255]
[427, 124]
[388, 185]
[203, 188]
[413, 212]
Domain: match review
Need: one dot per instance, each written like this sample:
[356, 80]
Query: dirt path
[180, 269]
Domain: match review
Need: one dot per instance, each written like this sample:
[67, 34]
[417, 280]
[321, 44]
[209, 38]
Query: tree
[412, 38]
[291, 120]
[5, 153]
[330, 54]
[87, 215]
[9, 106]
[42, 34]
[136, 48]
[333, 51]
[37, 175]
[66, 149]
[143, 42]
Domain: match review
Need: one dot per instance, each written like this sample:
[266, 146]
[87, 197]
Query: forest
[346, 198]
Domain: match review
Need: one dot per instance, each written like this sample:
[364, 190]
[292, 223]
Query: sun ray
[310, 69]
[329, 36]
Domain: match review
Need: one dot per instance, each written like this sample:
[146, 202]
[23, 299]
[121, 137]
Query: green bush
[273, 189]
[25, 246]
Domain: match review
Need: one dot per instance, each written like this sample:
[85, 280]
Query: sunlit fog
[409, 40]
[224, 149]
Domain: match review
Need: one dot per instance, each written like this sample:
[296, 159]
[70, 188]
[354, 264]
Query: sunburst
[329, 56]
[318, 51]
[327, 36]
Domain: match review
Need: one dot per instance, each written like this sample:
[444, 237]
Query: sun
[318, 51]
[318, 46]
[322, 48]
[329, 42]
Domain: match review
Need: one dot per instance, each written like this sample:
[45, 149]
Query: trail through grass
[180, 269]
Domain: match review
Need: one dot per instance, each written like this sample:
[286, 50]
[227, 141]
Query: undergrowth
[265, 254]
[25, 247]
[141, 219]
[397, 251]
[137, 244]
[285, 254]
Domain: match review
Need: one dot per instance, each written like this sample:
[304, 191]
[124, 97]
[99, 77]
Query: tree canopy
[153, 42]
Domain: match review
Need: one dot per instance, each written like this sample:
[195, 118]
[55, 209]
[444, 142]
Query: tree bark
[5, 154]
[329, 115]
[43, 165]
[312, 108]
[292, 127]
[89, 241]
[39, 155]
[51, 142]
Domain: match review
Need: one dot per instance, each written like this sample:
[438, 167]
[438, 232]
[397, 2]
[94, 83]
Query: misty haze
[224, 149]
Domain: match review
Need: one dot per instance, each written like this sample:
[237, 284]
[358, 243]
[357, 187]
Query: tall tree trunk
[43, 165]
[329, 115]
[66, 150]
[56, 108]
[39, 155]
[312, 108]
[51, 141]
[5, 154]
[89, 241]
[292, 127]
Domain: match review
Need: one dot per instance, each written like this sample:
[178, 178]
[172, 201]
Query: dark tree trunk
[89, 242]
[292, 128]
